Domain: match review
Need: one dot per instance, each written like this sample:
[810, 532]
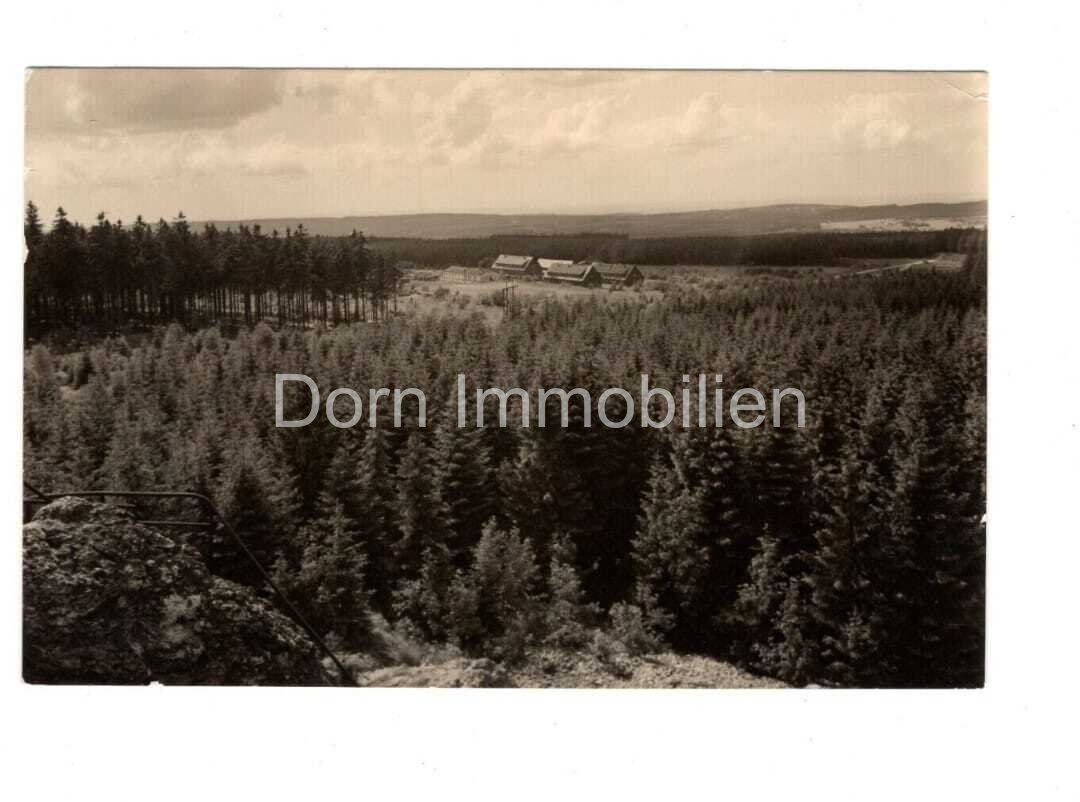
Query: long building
[580, 274]
[619, 275]
[518, 266]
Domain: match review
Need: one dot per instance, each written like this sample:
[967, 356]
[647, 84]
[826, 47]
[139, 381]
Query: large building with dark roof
[519, 266]
[580, 274]
[619, 275]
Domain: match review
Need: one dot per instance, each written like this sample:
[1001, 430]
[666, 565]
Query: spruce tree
[569, 616]
[259, 499]
[672, 551]
[329, 585]
[466, 486]
[375, 499]
[421, 519]
[494, 607]
[92, 430]
[938, 550]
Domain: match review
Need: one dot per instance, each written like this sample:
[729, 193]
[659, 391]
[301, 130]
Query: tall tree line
[111, 275]
[799, 248]
[847, 552]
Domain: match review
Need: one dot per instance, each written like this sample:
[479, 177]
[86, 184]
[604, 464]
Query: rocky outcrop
[107, 600]
[457, 673]
[555, 668]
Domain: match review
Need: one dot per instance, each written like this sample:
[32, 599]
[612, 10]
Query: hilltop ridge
[709, 222]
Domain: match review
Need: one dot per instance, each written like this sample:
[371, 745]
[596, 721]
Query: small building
[580, 274]
[519, 266]
[461, 273]
[619, 275]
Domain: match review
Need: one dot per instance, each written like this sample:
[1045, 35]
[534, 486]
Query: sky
[237, 144]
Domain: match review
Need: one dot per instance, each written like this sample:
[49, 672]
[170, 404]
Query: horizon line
[693, 210]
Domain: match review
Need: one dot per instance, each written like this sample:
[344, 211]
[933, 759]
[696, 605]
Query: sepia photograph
[528, 378]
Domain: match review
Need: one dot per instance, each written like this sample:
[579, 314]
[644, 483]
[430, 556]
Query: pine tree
[42, 406]
[639, 626]
[137, 450]
[92, 430]
[64, 268]
[672, 551]
[376, 495]
[421, 519]
[569, 616]
[528, 496]
[465, 483]
[494, 607]
[259, 499]
[847, 568]
[786, 652]
[760, 598]
[691, 548]
[937, 550]
[781, 481]
[329, 585]
[432, 601]
[34, 283]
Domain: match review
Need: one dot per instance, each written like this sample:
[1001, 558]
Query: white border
[1015, 737]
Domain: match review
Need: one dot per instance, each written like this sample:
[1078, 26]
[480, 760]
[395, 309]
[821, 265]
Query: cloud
[458, 119]
[582, 126]
[333, 91]
[709, 121]
[449, 127]
[195, 157]
[398, 140]
[884, 121]
[876, 121]
[110, 101]
[937, 120]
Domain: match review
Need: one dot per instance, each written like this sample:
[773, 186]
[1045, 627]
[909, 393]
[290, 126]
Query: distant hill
[713, 222]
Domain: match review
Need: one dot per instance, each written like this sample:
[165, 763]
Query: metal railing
[44, 498]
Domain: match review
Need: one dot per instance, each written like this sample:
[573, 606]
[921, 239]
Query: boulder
[107, 600]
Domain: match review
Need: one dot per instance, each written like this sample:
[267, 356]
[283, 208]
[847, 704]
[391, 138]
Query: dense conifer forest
[764, 250]
[848, 552]
[112, 276]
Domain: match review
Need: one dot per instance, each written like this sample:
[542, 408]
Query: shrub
[330, 581]
[611, 654]
[568, 617]
[493, 608]
[493, 298]
[639, 626]
[81, 369]
[401, 643]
